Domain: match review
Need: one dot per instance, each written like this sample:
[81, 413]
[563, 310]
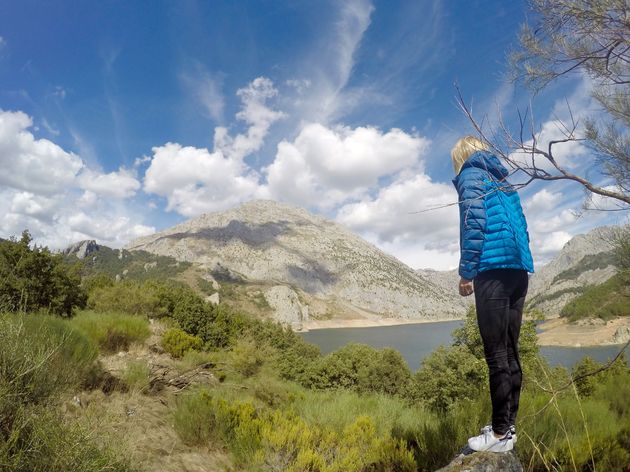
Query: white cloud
[120, 184]
[397, 221]
[195, 180]
[35, 165]
[53, 193]
[255, 113]
[323, 166]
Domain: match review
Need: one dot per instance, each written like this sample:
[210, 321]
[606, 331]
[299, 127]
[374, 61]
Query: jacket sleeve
[472, 221]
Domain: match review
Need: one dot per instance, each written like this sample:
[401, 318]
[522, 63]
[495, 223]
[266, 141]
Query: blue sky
[121, 118]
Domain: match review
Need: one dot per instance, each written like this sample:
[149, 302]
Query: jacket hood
[487, 161]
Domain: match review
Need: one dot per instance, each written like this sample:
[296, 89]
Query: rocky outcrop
[622, 335]
[286, 306]
[484, 462]
[81, 249]
[267, 242]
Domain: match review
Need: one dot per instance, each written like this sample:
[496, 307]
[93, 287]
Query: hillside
[296, 258]
[585, 260]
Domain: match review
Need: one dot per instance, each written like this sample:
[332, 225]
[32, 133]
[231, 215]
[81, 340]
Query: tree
[588, 37]
[34, 279]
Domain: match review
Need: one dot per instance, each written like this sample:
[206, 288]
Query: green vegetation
[139, 265]
[112, 332]
[605, 301]
[279, 404]
[42, 358]
[33, 279]
[177, 342]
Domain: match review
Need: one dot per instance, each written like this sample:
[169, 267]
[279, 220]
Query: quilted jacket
[493, 229]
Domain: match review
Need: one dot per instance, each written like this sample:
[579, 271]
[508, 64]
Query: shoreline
[313, 325]
[554, 332]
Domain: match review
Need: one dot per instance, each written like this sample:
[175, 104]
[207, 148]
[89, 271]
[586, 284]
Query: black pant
[499, 299]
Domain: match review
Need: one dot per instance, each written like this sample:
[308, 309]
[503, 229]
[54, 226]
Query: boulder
[622, 335]
[484, 462]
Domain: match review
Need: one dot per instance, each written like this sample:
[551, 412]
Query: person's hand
[465, 287]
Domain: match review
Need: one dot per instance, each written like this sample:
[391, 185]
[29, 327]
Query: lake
[416, 341]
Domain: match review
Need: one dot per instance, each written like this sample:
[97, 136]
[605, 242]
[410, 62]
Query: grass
[112, 332]
[41, 359]
[136, 375]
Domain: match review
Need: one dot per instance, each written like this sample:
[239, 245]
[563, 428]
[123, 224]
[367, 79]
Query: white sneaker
[488, 427]
[487, 441]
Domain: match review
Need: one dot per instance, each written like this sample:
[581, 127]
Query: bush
[123, 297]
[448, 376]
[247, 358]
[42, 356]
[112, 332]
[136, 375]
[177, 342]
[362, 368]
[34, 279]
[278, 440]
[42, 441]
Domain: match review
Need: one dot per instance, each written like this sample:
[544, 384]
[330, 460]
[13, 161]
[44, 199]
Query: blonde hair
[463, 149]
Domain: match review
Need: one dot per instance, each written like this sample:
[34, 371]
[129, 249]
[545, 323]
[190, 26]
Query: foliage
[136, 375]
[41, 358]
[139, 265]
[177, 342]
[272, 439]
[362, 368]
[605, 301]
[586, 37]
[450, 375]
[112, 332]
[586, 386]
[34, 279]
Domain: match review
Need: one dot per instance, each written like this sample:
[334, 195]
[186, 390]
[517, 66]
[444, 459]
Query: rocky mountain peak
[273, 243]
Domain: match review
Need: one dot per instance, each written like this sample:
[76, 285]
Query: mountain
[300, 261]
[585, 260]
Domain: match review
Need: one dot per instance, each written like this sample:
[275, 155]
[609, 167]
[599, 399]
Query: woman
[495, 259]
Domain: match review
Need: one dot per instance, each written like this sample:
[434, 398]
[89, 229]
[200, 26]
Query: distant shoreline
[554, 332]
[313, 325]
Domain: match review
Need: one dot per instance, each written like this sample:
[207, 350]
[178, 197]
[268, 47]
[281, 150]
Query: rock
[125, 272]
[622, 335]
[590, 322]
[118, 278]
[150, 265]
[286, 305]
[484, 462]
[81, 249]
[214, 298]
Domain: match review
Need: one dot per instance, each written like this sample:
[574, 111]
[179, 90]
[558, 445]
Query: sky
[119, 119]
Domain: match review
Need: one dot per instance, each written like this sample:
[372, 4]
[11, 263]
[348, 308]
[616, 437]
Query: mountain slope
[585, 260]
[335, 272]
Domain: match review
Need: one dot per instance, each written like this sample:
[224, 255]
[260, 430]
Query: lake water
[416, 341]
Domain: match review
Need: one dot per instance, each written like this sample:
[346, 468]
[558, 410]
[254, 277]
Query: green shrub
[112, 332]
[33, 279]
[123, 297]
[136, 375]
[449, 375]
[362, 368]
[42, 356]
[177, 342]
[278, 440]
[247, 358]
[42, 441]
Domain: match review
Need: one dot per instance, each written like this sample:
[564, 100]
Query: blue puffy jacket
[493, 230]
